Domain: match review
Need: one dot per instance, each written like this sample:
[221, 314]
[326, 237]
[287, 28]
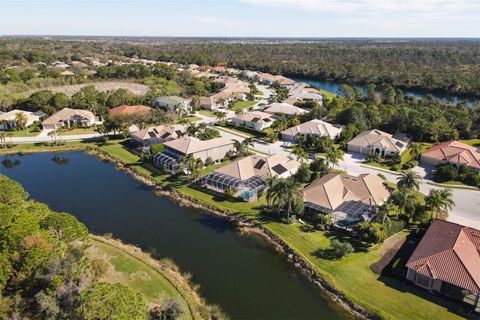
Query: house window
[422, 280]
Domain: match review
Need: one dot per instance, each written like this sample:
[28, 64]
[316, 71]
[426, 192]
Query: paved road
[43, 137]
[467, 202]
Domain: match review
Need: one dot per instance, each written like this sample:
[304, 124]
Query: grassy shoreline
[386, 298]
[158, 280]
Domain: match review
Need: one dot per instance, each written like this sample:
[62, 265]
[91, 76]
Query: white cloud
[386, 7]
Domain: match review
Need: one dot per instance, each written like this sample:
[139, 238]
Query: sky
[243, 18]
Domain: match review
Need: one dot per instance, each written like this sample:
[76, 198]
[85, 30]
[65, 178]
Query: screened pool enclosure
[246, 189]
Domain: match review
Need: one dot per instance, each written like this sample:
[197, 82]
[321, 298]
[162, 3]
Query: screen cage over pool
[246, 189]
[166, 162]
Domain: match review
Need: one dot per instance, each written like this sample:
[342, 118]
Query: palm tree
[300, 153]
[382, 213]
[54, 135]
[192, 130]
[416, 150]
[409, 180]
[247, 143]
[333, 156]
[3, 140]
[239, 148]
[439, 201]
[220, 115]
[272, 191]
[406, 201]
[21, 120]
[291, 193]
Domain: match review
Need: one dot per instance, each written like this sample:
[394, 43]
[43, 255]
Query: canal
[241, 273]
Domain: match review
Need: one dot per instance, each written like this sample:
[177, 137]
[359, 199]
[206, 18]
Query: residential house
[447, 261]
[79, 64]
[217, 101]
[453, 152]
[300, 87]
[129, 110]
[348, 198]
[379, 142]
[254, 119]
[283, 81]
[67, 73]
[159, 134]
[174, 104]
[264, 78]
[304, 96]
[313, 127]
[252, 75]
[277, 108]
[174, 150]
[69, 117]
[8, 120]
[247, 176]
[59, 64]
[269, 79]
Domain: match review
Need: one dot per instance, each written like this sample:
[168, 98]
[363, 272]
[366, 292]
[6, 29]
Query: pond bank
[247, 225]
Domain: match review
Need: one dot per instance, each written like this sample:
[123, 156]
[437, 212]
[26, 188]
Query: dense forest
[450, 66]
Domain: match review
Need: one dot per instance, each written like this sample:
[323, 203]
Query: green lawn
[207, 113]
[29, 132]
[472, 142]
[353, 276]
[190, 118]
[138, 275]
[386, 296]
[241, 105]
[327, 94]
[76, 131]
[234, 131]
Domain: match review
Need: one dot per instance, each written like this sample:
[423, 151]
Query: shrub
[445, 172]
[413, 163]
[397, 167]
[307, 227]
[340, 249]
[371, 232]
[209, 161]
[303, 174]
[472, 179]
[229, 192]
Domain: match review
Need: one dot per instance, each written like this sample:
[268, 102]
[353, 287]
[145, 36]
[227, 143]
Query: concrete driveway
[467, 202]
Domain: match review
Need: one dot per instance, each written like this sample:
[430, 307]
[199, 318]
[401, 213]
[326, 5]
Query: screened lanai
[246, 189]
[165, 162]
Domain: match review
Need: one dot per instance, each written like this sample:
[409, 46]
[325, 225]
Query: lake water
[334, 87]
[241, 273]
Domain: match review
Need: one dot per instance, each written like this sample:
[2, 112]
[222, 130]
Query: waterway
[241, 273]
[334, 87]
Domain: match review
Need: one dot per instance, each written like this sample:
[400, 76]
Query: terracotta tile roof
[449, 252]
[124, 110]
[455, 152]
[333, 189]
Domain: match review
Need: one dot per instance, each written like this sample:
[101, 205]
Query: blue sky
[263, 18]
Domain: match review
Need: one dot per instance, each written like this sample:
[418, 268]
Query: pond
[241, 273]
